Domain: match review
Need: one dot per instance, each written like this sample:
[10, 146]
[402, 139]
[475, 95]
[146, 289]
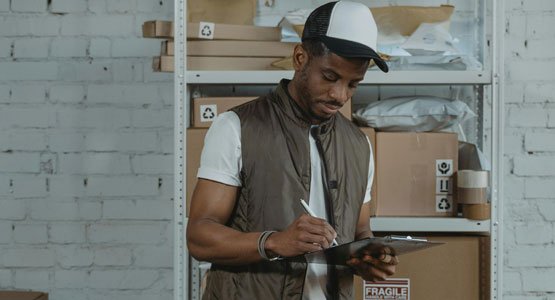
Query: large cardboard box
[205, 110]
[217, 31]
[218, 63]
[195, 143]
[23, 295]
[239, 48]
[371, 134]
[221, 11]
[457, 270]
[158, 29]
[415, 173]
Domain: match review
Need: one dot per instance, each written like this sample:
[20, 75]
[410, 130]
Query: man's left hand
[372, 268]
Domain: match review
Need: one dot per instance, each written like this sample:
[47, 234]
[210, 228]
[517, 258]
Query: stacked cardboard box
[213, 46]
[23, 295]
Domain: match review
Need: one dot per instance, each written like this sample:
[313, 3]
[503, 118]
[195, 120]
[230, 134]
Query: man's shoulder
[349, 126]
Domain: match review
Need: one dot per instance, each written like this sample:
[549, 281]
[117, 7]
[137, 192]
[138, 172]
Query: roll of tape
[477, 211]
[472, 179]
[472, 195]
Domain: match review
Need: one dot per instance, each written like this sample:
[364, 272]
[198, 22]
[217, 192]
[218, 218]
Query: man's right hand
[305, 234]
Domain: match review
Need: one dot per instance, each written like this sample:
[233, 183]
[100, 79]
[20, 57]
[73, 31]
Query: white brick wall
[86, 132]
[529, 183]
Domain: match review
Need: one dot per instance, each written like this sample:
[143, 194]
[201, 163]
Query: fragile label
[208, 112]
[444, 167]
[444, 203]
[390, 289]
[444, 185]
[206, 30]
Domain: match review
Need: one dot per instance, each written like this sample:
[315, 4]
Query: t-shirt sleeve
[367, 196]
[221, 156]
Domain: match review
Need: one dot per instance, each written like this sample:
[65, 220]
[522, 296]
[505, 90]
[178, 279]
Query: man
[262, 157]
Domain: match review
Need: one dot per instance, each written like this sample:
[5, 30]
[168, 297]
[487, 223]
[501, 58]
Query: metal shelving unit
[186, 275]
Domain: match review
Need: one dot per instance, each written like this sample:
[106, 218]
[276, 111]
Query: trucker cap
[347, 28]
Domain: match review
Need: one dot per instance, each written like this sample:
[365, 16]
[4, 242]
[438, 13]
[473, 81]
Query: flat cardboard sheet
[340, 254]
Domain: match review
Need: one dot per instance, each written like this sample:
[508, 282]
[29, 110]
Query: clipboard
[398, 245]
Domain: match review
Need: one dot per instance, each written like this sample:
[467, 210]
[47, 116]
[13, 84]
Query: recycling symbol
[206, 31]
[208, 114]
[444, 204]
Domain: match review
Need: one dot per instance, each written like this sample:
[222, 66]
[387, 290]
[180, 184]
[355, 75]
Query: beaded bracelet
[261, 246]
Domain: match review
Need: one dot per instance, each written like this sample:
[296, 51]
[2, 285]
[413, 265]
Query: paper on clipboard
[340, 254]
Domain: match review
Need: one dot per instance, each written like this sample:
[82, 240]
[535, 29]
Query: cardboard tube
[472, 195]
[477, 211]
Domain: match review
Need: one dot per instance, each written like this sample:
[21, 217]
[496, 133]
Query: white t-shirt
[221, 161]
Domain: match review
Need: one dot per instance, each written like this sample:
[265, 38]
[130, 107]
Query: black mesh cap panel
[317, 23]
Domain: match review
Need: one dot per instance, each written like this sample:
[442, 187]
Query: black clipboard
[339, 255]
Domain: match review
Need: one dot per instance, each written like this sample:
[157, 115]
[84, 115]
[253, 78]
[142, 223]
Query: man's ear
[300, 57]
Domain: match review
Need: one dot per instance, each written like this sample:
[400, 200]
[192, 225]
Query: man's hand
[305, 234]
[374, 267]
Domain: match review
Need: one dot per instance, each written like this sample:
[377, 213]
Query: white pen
[312, 214]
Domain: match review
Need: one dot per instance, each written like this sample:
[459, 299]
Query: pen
[312, 214]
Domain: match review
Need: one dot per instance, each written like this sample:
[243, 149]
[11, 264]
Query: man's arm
[209, 239]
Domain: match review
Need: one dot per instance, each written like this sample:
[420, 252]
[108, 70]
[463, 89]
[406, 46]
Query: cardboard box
[414, 174]
[167, 48]
[457, 270]
[158, 29]
[205, 110]
[163, 64]
[371, 134]
[195, 143]
[216, 63]
[239, 48]
[22, 295]
[232, 32]
[222, 11]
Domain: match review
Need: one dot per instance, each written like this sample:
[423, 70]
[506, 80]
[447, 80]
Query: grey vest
[274, 176]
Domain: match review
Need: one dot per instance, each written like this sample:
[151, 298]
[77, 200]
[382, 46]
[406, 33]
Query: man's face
[326, 83]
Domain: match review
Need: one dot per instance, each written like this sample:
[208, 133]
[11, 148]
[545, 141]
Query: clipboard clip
[407, 238]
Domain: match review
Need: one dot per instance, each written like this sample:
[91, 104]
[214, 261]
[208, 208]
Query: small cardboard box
[217, 31]
[195, 143]
[371, 134]
[456, 270]
[23, 295]
[218, 63]
[167, 48]
[239, 48]
[158, 29]
[415, 174]
[205, 110]
[163, 64]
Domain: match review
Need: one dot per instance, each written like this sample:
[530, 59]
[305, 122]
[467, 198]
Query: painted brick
[30, 234]
[167, 143]
[69, 256]
[68, 6]
[547, 209]
[167, 94]
[534, 280]
[5, 47]
[149, 118]
[66, 141]
[535, 166]
[104, 118]
[539, 26]
[27, 117]
[150, 6]
[512, 282]
[28, 140]
[513, 143]
[521, 210]
[514, 92]
[5, 232]
[153, 164]
[539, 141]
[69, 47]
[539, 188]
[29, 5]
[539, 49]
[16, 25]
[125, 141]
[534, 233]
[12, 210]
[112, 256]
[97, 6]
[70, 279]
[527, 117]
[65, 211]
[4, 5]
[5, 94]
[28, 93]
[539, 92]
[37, 279]
[118, 233]
[19, 162]
[516, 25]
[100, 47]
[513, 5]
[529, 256]
[95, 163]
[123, 186]
[120, 94]
[153, 256]
[98, 25]
[85, 71]
[137, 47]
[6, 282]
[122, 279]
[31, 48]
[551, 118]
[122, 6]
[28, 186]
[67, 186]
[67, 93]
[542, 70]
[127, 71]
[27, 257]
[28, 70]
[538, 5]
[67, 233]
[137, 210]
[151, 76]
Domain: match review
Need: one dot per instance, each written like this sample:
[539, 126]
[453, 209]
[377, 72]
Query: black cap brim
[352, 49]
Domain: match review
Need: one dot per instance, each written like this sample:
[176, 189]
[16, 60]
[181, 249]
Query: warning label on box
[390, 289]
[208, 112]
